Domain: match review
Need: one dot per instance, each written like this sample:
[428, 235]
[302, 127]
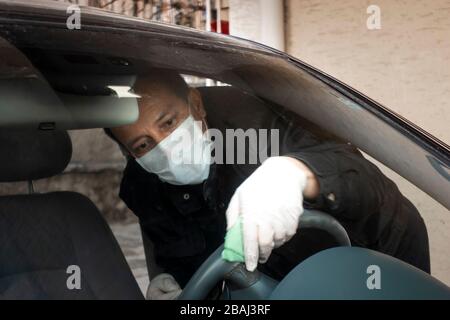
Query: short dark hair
[166, 78]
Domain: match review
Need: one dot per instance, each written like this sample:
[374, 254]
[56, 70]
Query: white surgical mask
[183, 157]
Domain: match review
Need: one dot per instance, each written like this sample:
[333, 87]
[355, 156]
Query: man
[185, 208]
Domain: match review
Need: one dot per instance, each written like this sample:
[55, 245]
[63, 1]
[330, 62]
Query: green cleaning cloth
[234, 244]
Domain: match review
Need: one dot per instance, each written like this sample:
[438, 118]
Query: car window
[92, 71]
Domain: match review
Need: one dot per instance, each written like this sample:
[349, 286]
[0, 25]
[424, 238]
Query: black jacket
[186, 223]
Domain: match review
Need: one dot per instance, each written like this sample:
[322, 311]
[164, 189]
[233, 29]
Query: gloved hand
[269, 204]
[163, 287]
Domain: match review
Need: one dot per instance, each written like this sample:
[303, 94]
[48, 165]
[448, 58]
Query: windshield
[103, 77]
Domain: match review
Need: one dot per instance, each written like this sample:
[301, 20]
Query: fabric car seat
[43, 235]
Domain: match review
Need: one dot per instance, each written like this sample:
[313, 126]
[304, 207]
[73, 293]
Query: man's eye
[169, 123]
[142, 146]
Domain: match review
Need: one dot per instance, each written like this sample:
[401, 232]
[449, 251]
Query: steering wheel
[252, 285]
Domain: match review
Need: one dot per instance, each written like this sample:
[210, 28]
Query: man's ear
[196, 102]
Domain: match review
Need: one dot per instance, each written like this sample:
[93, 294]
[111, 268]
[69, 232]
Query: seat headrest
[29, 154]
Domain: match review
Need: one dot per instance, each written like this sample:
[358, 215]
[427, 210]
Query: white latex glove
[270, 202]
[163, 287]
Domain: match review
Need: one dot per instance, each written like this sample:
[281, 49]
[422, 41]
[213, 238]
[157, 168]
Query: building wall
[404, 65]
[245, 20]
[258, 20]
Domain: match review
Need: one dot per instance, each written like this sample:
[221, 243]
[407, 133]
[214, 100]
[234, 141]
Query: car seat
[43, 234]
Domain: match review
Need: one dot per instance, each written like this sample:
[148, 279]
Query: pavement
[129, 236]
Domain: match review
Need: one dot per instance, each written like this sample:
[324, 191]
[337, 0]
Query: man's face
[159, 116]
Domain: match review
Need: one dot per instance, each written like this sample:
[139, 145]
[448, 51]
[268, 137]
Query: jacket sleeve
[351, 187]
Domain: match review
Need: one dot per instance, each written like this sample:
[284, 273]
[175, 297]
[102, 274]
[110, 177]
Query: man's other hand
[163, 287]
